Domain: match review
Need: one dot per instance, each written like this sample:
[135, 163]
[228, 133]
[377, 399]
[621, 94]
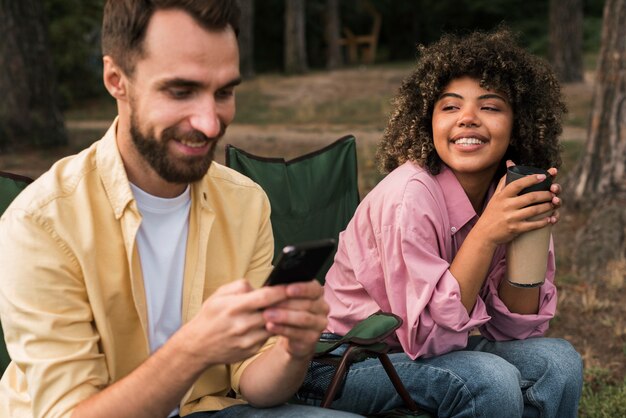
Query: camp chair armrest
[367, 333]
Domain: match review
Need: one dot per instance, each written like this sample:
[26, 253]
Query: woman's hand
[555, 188]
[507, 214]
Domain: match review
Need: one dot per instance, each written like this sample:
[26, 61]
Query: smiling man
[131, 272]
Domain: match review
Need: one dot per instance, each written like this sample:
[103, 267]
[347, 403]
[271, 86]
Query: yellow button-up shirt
[72, 301]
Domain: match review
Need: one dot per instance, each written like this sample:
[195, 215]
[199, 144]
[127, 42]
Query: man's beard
[182, 170]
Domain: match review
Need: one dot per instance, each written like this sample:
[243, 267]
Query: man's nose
[205, 119]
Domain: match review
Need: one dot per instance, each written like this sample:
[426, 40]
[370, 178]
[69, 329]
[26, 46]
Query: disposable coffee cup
[527, 254]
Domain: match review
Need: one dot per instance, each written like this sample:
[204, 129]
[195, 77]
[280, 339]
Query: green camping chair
[10, 186]
[314, 197]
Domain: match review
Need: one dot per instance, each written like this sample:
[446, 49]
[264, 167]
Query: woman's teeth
[468, 141]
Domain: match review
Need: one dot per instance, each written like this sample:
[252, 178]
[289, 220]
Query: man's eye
[180, 93]
[225, 94]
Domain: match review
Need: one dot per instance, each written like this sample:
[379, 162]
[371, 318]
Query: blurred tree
[74, 29]
[565, 46]
[407, 23]
[29, 113]
[599, 181]
[295, 38]
[246, 38]
[334, 59]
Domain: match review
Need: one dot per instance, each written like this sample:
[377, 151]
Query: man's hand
[274, 376]
[300, 319]
[231, 325]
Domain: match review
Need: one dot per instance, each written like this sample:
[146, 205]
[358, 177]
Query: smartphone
[300, 262]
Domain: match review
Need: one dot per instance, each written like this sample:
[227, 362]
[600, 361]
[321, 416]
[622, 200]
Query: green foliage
[592, 34]
[408, 23]
[74, 28]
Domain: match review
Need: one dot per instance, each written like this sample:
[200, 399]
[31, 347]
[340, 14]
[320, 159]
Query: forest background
[297, 100]
[74, 27]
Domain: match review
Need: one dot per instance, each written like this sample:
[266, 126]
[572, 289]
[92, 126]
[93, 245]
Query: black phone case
[301, 262]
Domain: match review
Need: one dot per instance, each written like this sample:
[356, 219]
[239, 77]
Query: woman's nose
[468, 118]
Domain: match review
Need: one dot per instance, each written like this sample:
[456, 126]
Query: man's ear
[114, 79]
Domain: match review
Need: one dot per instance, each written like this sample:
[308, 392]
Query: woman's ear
[115, 81]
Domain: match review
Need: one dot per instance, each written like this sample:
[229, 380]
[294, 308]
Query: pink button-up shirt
[395, 256]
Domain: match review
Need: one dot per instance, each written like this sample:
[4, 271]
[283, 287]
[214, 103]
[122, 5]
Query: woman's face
[471, 128]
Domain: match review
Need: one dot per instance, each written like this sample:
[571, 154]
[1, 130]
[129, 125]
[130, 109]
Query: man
[118, 294]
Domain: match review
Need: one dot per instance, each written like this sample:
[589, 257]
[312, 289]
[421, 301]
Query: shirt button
[453, 229]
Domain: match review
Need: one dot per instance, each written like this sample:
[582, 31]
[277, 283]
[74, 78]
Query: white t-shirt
[162, 243]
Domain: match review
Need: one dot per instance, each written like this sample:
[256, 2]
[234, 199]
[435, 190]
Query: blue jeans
[282, 411]
[536, 377]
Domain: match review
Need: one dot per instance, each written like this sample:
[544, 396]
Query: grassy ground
[289, 116]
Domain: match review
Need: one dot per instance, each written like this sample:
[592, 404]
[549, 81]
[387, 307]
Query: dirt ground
[591, 314]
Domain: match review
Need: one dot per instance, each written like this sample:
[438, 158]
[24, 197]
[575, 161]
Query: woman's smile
[471, 128]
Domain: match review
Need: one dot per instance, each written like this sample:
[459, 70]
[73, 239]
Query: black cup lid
[518, 171]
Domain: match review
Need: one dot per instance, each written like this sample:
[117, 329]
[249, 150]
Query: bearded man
[132, 271]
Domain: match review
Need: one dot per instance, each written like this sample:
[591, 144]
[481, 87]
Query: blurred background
[74, 27]
[316, 70]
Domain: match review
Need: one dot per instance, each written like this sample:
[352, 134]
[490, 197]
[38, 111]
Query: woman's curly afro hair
[499, 64]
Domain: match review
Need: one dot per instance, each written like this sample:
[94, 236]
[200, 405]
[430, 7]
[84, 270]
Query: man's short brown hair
[125, 22]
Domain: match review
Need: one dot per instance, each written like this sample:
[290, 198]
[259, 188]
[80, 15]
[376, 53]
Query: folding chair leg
[397, 383]
[340, 372]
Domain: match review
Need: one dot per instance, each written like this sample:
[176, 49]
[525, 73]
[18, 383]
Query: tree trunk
[295, 38]
[29, 113]
[566, 39]
[598, 184]
[246, 38]
[333, 27]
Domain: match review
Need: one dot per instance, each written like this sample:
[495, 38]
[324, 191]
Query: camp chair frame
[362, 344]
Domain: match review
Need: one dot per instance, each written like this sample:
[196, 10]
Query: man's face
[171, 167]
[181, 95]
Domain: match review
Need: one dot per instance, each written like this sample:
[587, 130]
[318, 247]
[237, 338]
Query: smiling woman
[471, 132]
[428, 242]
[528, 84]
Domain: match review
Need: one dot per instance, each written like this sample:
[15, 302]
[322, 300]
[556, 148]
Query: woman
[428, 242]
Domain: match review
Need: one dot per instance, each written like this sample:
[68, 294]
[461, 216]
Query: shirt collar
[112, 172]
[460, 209]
